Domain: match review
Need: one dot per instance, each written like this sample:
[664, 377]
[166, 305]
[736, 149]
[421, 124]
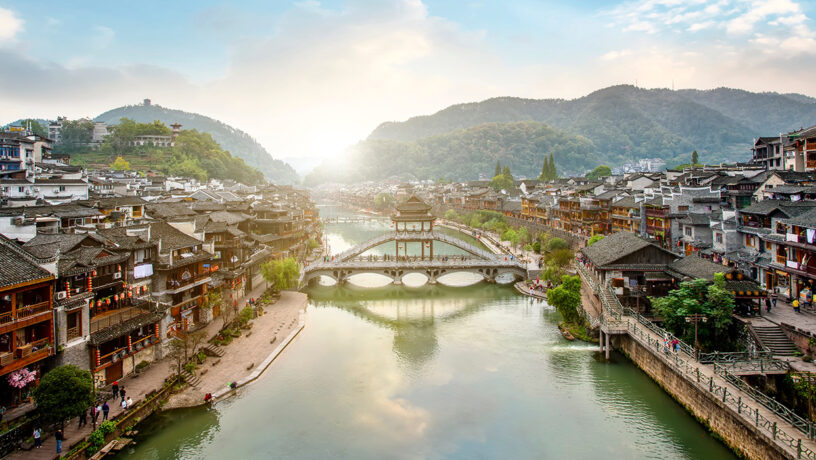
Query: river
[433, 372]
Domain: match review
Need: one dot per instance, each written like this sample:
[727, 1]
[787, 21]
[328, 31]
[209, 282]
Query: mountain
[460, 155]
[625, 123]
[235, 141]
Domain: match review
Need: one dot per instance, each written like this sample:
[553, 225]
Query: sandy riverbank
[280, 321]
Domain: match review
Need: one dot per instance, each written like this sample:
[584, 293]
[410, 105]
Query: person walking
[83, 419]
[115, 389]
[122, 392]
[105, 410]
[795, 305]
[37, 437]
[773, 298]
[58, 437]
[94, 416]
[768, 304]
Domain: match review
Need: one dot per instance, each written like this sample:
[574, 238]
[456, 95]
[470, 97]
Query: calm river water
[433, 372]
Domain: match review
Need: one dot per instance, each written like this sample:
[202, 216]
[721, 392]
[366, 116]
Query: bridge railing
[785, 436]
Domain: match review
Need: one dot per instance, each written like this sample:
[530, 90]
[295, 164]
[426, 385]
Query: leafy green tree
[451, 214]
[120, 164]
[709, 299]
[695, 158]
[548, 171]
[74, 134]
[566, 298]
[599, 172]
[36, 127]
[498, 169]
[507, 174]
[281, 274]
[594, 239]
[523, 235]
[63, 393]
[383, 201]
[501, 182]
[559, 258]
[536, 246]
[510, 235]
[556, 243]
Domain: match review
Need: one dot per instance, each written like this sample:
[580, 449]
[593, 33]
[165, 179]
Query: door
[113, 372]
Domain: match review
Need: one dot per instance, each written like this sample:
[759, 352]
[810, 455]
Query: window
[718, 237]
[749, 241]
[682, 208]
[21, 189]
[687, 230]
[767, 245]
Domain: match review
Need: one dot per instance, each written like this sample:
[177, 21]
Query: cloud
[612, 55]
[10, 25]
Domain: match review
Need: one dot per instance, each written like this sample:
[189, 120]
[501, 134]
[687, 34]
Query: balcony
[176, 285]
[73, 333]
[25, 355]
[115, 317]
[25, 313]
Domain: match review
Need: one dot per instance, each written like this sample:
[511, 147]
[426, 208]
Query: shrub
[537, 246]
[107, 427]
[245, 315]
[556, 244]
[201, 356]
[190, 367]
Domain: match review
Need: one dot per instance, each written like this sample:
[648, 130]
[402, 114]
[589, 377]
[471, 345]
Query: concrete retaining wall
[744, 439]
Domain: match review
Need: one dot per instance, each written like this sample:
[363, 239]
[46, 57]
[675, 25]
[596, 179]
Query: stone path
[278, 321]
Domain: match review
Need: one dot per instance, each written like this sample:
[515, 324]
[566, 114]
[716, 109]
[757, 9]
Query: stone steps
[775, 339]
[213, 350]
[190, 379]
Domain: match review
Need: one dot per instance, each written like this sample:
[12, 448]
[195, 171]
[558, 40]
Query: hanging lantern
[130, 294]
[107, 301]
[118, 268]
[98, 303]
[93, 273]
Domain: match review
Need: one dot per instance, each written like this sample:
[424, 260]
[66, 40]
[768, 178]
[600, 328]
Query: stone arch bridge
[351, 262]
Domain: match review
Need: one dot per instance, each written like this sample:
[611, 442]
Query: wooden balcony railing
[25, 312]
[72, 333]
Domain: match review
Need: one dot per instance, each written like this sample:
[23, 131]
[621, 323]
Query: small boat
[567, 335]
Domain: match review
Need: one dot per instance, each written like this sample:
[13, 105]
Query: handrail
[735, 402]
[733, 356]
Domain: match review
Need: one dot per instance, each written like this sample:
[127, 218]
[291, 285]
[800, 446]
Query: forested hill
[459, 155]
[626, 123]
[237, 142]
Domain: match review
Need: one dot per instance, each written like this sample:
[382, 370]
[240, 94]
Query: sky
[310, 78]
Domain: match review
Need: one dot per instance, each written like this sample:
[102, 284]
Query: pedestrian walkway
[137, 386]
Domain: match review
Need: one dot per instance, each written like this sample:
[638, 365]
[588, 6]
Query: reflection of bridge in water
[350, 220]
[413, 225]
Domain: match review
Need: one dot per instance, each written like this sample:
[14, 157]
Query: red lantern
[107, 301]
[98, 303]
[130, 294]
[93, 273]
[118, 268]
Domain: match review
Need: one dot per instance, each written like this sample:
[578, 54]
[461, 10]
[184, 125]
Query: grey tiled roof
[16, 266]
[614, 247]
[695, 267]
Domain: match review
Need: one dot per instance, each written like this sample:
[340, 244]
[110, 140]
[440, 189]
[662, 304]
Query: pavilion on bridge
[413, 223]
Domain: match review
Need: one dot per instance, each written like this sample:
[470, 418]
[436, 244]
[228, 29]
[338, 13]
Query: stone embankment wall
[744, 439]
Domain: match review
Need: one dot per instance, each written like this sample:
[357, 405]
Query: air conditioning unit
[61, 295]
[117, 275]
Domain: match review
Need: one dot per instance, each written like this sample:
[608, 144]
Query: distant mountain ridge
[237, 142]
[626, 123]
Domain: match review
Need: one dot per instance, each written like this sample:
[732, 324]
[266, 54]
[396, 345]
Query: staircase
[775, 339]
[212, 350]
[191, 379]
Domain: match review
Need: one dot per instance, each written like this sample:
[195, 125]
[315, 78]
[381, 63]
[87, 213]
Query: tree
[594, 239]
[548, 171]
[559, 258]
[510, 235]
[600, 171]
[36, 127]
[523, 235]
[709, 299]
[120, 164]
[282, 274]
[383, 201]
[498, 169]
[63, 393]
[178, 352]
[556, 243]
[566, 298]
[694, 158]
[507, 174]
[501, 182]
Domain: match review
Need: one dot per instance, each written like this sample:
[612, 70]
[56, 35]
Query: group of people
[670, 344]
[94, 411]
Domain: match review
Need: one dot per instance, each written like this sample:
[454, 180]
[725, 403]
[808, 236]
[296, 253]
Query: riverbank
[248, 355]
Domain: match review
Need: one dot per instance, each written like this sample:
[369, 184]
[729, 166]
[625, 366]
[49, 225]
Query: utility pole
[696, 318]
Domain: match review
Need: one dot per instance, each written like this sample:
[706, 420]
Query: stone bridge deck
[432, 269]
